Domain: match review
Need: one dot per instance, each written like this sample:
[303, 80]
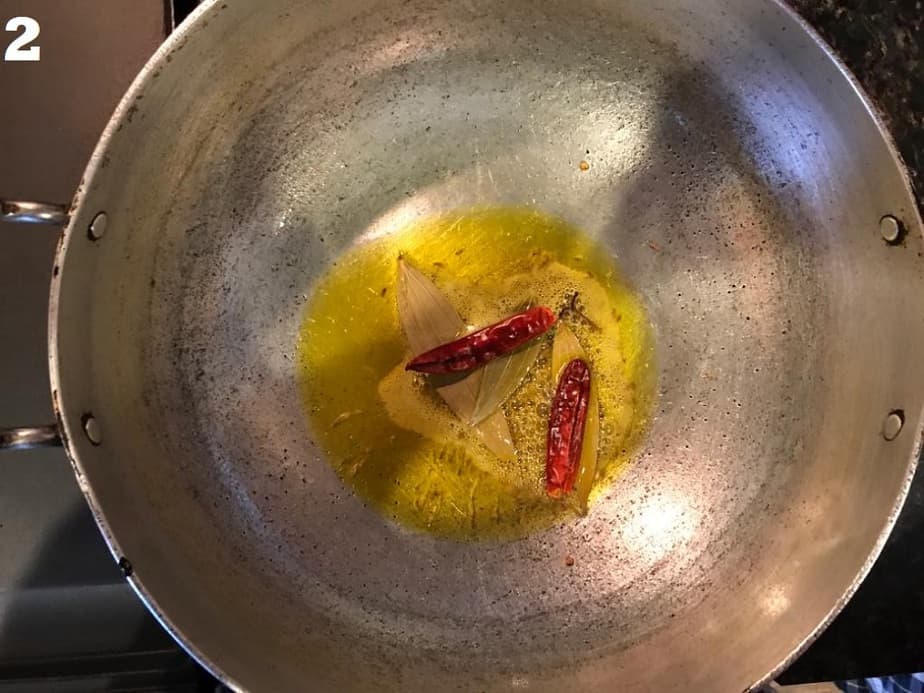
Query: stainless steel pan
[265, 137]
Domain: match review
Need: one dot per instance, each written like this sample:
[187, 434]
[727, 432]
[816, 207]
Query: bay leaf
[428, 320]
[501, 378]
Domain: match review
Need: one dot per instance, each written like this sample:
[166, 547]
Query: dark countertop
[880, 632]
[882, 43]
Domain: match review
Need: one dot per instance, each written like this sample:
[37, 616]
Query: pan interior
[734, 174]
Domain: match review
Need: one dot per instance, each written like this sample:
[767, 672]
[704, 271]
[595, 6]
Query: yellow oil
[390, 437]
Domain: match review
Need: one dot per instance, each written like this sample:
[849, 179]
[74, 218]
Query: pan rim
[912, 464]
[194, 22]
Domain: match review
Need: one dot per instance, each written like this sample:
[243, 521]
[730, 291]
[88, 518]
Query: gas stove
[68, 619]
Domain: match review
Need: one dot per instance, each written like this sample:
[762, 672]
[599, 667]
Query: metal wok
[740, 179]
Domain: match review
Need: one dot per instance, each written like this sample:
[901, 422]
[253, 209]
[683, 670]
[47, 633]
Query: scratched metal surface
[734, 174]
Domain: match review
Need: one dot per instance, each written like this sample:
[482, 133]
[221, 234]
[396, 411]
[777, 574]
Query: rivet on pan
[92, 429]
[97, 226]
[892, 424]
[125, 566]
[891, 229]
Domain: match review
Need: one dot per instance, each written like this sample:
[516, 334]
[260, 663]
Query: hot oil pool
[389, 435]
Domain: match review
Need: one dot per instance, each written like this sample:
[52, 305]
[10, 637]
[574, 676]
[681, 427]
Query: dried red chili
[477, 348]
[566, 428]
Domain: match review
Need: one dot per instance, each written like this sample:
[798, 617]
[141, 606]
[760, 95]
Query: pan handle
[26, 437]
[23, 212]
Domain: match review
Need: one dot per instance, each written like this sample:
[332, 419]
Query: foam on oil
[390, 437]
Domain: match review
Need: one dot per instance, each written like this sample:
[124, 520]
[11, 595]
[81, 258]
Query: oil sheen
[395, 443]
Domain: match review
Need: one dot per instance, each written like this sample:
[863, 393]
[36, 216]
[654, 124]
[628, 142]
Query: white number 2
[17, 50]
